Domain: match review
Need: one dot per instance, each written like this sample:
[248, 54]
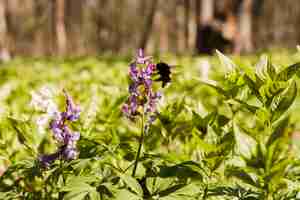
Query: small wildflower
[42, 100]
[92, 108]
[142, 97]
[64, 136]
[72, 111]
[47, 160]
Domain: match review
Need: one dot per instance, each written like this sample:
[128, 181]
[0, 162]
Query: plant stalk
[141, 141]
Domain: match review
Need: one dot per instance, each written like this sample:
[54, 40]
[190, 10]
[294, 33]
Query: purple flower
[150, 69]
[154, 97]
[141, 94]
[141, 59]
[72, 112]
[56, 127]
[48, 159]
[65, 137]
[133, 72]
[69, 153]
[70, 138]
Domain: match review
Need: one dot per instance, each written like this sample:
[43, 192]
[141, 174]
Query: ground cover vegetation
[161, 127]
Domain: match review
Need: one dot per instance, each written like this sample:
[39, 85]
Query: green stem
[141, 140]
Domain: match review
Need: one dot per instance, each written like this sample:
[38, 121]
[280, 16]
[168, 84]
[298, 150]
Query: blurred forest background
[93, 27]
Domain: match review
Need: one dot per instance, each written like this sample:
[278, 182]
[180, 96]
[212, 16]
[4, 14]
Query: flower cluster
[42, 100]
[63, 134]
[143, 99]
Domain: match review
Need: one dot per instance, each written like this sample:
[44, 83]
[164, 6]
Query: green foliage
[224, 139]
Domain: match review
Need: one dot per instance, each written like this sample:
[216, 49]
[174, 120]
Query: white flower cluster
[42, 100]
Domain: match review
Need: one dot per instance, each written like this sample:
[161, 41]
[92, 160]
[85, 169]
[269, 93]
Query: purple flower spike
[47, 160]
[133, 72]
[72, 111]
[69, 153]
[141, 94]
[141, 59]
[69, 137]
[63, 134]
[56, 127]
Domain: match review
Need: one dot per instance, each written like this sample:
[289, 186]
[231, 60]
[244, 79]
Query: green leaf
[265, 69]
[284, 101]
[288, 72]
[157, 184]
[238, 192]
[222, 120]
[254, 87]
[202, 123]
[177, 107]
[94, 195]
[77, 187]
[242, 174]
[271, 90]
[76, 195]
[132, 183]
[245, 143]
[226, 61]
[217, 88]
[249, 107]
[188, 169]
[271, 71]
[126, 195]
[181, 191]
[261, 67]
[279, 131]
[24, 134]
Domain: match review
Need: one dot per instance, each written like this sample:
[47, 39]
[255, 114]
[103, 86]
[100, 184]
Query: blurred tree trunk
[172, 11]
[118, 27]
[186, 22]
[244, 40]
[73, 19]
[207, 11]
[197, 11]
[60, 28]
[4, 47]
[148, 25]
[39, 35]
[198, 22]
